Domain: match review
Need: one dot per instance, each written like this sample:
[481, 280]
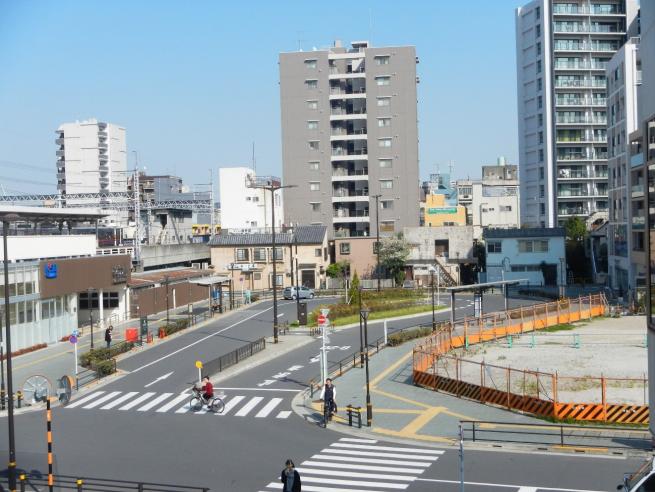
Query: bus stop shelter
[478, 290]
[212, 283]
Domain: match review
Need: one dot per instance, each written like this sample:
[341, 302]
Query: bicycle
[328, 412]
[197, 401]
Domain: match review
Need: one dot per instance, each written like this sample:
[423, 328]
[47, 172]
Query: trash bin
[302, 313]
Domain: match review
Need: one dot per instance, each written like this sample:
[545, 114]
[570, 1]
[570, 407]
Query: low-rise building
[535, 254]
[359, 252]
[439, 213]
[246, 256]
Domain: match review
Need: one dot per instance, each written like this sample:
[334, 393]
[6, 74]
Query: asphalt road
[140, 428]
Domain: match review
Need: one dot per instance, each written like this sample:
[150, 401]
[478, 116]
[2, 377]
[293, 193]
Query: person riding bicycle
[207, 389]
[328, 395]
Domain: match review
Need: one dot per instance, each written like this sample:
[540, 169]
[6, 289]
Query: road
[140, 428]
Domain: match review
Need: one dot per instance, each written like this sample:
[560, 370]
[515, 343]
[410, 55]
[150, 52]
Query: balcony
[345, 175]
[342, 135]
[637, 190]
[60, 153]
[61, 175]
[581, 121]
[59, 141]
[581, 27]
[342, 196]
[569, 193]
[102, 134]
[102, 145]
[349, 75]
[636, 160]
[573, 211]
[580, 83]
[567, 9]
[585, 65]
[580, 101]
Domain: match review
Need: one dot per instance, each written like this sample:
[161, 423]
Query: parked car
[642, 480]
[304, 293]
[409, 284]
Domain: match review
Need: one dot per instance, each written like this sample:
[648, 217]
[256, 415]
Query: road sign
[321, 319]
[76, 333]
[199, 364]
[72, 339]
[325, 311]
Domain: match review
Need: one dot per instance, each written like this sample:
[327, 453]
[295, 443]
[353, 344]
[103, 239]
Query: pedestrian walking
[108, 335]
[329, 396]
[290, 478]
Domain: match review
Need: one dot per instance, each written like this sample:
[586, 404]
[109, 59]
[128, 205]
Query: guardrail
[232, 358]
[67, 482]
[556, 435]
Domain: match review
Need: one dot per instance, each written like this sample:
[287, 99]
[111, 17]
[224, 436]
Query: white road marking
[101, 400]
[268, 408]
[380, 455]
[335, 481]
[346, 466]
[374, 461]
[120, 400]
[387, 448]
[134, 403]
[283, 414]
[184, 409]
[311, 488]
[332, 473]
[527, 489]
[354, 439]
[175, 401]
[231, 404]
[155, 402]
[200, 340]
[160, 378]
[83, 400]
[505, 486]
[245, 410]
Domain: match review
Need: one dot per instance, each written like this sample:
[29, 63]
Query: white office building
[562, 50]
[91, 158]
[243, 207]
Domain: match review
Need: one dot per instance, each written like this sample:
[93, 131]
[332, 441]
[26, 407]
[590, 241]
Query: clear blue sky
[195, 83]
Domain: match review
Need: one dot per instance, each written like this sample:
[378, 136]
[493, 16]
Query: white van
[643, 480]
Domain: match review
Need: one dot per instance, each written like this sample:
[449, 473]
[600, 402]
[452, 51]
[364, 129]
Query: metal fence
[232, 358]
[33, 481]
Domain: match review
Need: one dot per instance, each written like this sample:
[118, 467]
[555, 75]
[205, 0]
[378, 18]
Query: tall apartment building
[562, 51]
[91, 158]
[349, 133]
[627, 213]
[243, 207]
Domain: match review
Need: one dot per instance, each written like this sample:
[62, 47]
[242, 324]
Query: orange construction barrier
[162, 333]
[131, 334]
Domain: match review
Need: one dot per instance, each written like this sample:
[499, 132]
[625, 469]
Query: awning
[213, 280]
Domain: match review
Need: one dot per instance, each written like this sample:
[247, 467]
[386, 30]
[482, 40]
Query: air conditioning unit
[196, 266]
[205, 265]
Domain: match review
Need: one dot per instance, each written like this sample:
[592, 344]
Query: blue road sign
[72, 339]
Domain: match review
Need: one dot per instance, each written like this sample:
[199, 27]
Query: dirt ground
[614, 348]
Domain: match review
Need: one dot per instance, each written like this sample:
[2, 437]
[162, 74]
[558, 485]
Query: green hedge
[104, 367]
[102, 354]
[343, 310]
[401, 337]
[176, 326]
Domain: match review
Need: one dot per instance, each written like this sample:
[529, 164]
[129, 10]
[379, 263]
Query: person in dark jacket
[108, 335]
[290, 478]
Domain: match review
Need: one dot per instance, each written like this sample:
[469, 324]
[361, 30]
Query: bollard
[466, 342]
[19, 399]
[349, 411]
[359, 417]
[2, 399]
[79, 483]
[532, 340]
[22, 479]
[576, 341]
[509, 341]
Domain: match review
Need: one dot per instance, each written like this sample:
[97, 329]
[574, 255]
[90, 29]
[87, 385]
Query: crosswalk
[178, 403]
[362, 465]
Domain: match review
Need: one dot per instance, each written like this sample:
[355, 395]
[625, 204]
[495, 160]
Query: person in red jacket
[207, 389]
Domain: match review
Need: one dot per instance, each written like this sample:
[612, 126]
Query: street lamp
[272, 184]
[361, 331]
[90, 299]
[377, 240]
[363, 313]
[168, 321]
[434, 322]
[295, 242]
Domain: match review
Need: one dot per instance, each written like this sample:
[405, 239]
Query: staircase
[446, 279]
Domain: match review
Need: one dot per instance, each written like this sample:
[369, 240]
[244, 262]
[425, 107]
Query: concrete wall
[41, 247]
[361, 255]
[152, 300]
[422, 242]
[173, 254]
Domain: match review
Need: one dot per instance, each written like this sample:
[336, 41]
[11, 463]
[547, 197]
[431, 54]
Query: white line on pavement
[134, 403]
[120, 400]
[374, 461]
[315, 471]
[101, 400]
[268, 408]
[283, 414]
[154, 402]
[231, 404]
[504, 486]
[344, 466]
[259, 389]
[175, 401]
[245, 410]
[387, 448]
[379, 455]
[81, 401]
[360, 483]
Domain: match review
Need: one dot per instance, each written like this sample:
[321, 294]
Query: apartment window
[312, 125]
[383, 80]
[541, 155]
[539, 48]
[314, 186]
[537, 13]
[540, 119]
[542, 191]
[386, 184]
[311, 84]
[541, 173]
[278, 280]
[537, 30]
[387, 226]
[382, 122]
[313, 145]
[529, 246]
[314, 165]
[312, 104]
[540, 102]
[538, 66]
[344, 248]
[384, 101]
[318, 252]
[316, 206]
[505, 208]
[542, 209]
[494, 247]
[384, 142]
[541, 137]
[310, 63]
[259, 254]
[386, 204]
[385, 163]
[382, 60]
[242, 254]
[279, 254]
[540, 84]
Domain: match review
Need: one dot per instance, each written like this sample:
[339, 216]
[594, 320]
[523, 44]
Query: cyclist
[328, 395]
[207, 389]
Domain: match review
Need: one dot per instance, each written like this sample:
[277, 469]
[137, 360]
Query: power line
[25, 166]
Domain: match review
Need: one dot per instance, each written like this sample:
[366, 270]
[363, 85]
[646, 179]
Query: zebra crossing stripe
[268, 408]
[374, 461]
[354, 439]
[345, 466]
[102, 399]
[231, 404]
[155, 402]
[134, 403]
[245, 410]
[331, 473]
[185, 408]
[336, 481]
[283, 414]
[386, 448]
[82, 401]
[175, 401]
[381, 455]
[312, 488]
[120, 400]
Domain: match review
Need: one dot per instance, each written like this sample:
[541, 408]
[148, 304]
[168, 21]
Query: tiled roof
[313, 234]
[525, 232]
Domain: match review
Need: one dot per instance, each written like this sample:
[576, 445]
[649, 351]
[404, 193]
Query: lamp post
[10, 386]
[168, 321]
[89, 294]
[363, 313]
[295, 242]
[361, 331]
[434, 322]
[272, 184]
[2, 369]
[377, 233]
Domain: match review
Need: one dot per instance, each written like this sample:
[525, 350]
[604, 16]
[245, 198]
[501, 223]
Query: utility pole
[136, 194]
[272, 184]
[295, 242]
[168, 321]
[211, 203]
[377, 241]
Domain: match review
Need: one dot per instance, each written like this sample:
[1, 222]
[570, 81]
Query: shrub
[104, 367]
[401, 337]
[175, 326]
[344, 310]
[94, 356]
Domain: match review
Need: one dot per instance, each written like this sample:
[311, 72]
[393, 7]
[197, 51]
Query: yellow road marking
[384, 373]
[419, 422]
[421, 437]
[400, 398]
[398, 411]
[582, 448]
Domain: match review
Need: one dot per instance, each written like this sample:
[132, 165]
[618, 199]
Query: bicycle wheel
[325, 416]
[217, 405]
[195, 403]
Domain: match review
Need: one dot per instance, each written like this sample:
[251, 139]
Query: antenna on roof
[451, 168]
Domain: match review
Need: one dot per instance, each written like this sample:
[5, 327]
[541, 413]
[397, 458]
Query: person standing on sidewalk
[108, 335]
[290, 478]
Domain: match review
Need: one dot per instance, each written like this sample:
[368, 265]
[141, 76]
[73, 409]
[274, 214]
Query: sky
[196, 83]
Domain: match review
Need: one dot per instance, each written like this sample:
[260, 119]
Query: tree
[576, 229]
[576, 256]
[354, 293]
[338, 269]
[394, 252]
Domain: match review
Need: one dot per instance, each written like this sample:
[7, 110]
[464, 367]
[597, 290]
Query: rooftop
[525, 232]
[14, 213]
[313, 234]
